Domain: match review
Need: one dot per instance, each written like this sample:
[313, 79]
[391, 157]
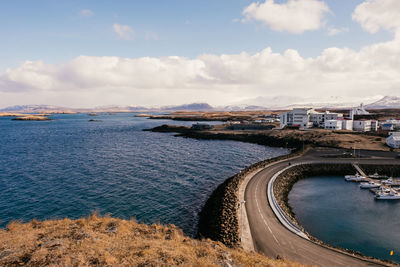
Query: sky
[169, 52]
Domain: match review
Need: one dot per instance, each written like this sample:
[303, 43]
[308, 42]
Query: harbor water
[341, 214]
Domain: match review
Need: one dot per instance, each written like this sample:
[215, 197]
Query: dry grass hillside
[106, 241]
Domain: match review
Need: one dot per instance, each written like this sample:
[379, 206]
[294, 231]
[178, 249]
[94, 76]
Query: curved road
[271, 238]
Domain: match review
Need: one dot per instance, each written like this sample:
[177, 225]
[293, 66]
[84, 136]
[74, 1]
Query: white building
[393, 140]
[333, 125]
[347, 125]
[297, 117]
[319, 118]
[358, 111]
[362, 125]
[394, 122]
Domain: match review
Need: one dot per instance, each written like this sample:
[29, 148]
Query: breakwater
[218, 219]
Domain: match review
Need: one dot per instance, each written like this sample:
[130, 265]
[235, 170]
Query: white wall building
[297, 117]
[358, 111]
[362, 125]
[393, 140]
[333, 125]
[347, 125]
[319, 118]
[394, 122]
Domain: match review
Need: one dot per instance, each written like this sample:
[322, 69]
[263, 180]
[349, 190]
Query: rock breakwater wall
[219, 216]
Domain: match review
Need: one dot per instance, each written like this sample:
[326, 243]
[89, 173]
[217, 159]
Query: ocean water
[341, 214]
[70, 167]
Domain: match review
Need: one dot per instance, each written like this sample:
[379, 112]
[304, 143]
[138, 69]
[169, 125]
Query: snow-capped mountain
[386, 102]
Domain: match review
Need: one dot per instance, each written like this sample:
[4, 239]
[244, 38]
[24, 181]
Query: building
[347, 124]
[318, 118]
[358, 111]
[297, 117]
[333, 125]
[374, 125]
[394, 122]
[362, 125]
[387, 127]
[393, 140]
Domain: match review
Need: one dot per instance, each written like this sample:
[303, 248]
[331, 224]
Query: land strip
[352, 141]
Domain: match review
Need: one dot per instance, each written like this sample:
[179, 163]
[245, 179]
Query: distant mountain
[49, 108]
[193, 107]
[34, 109]
[386, 102]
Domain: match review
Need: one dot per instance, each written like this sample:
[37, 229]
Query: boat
[390, 181]
[377, 176]
[379, 190]
[355, 178]
[369, 185]
[389, 196]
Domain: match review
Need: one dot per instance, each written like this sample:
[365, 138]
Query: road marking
[265, 222]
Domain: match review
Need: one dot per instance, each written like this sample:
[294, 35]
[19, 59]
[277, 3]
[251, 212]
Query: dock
[360, 171]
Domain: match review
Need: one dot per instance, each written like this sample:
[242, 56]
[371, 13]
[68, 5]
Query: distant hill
[193, 107]
[386, 102]
[33, 108]
[114, 108]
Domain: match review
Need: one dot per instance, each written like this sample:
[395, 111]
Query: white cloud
[86, 13]
[378, 14]
[217, 79]
[335, 31]
[151, 36]
[294, 16]
[124, 32]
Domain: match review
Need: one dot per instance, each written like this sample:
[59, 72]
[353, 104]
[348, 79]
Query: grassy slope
[110, 241]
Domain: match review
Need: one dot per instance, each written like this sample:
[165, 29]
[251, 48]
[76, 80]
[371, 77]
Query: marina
[382, 186]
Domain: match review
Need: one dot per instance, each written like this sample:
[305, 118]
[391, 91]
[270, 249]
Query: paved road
[271, 238]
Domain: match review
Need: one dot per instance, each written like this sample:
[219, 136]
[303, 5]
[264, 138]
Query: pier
[360, 171]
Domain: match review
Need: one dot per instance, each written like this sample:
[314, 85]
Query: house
[393, 140]
[297, 117]
[333, 124]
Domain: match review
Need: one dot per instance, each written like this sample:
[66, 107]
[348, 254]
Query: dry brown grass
[106, 241]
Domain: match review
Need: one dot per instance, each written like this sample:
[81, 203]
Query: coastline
[219, 218]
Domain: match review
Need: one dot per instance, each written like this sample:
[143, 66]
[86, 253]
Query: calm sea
[70, 167]
[341, 214]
